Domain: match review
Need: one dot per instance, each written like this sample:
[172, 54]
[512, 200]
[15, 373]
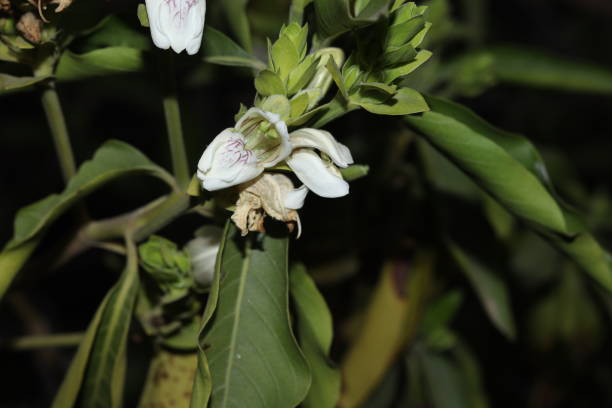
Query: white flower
[177, 23]
[203, 252]
[260, 140]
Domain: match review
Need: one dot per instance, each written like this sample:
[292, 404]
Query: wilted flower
[177, 24]
[260, 140]
[203, 251]
[270, 194]
[30, 27]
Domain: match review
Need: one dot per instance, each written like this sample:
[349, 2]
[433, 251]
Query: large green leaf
[509, 168]
[113, 160]
[486, 155]
[315, 330]
[95, 377]
[253, 357]
[100, 62]
[222, 50]
[491, 291]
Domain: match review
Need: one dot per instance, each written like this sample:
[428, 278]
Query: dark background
[127, 108]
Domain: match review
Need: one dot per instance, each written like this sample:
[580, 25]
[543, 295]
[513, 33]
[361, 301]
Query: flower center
[261, 137]
[236, 153]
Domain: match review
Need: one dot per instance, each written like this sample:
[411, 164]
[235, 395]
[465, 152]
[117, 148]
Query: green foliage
[113, 160]
[315, 336]
[100, 62]
[527, 67]
[222, 50]
[252, 354]
[491, 290]
[509, 168]
[96, 375]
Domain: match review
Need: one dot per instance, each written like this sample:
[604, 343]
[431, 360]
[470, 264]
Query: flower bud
[203, 252]
[177, 24]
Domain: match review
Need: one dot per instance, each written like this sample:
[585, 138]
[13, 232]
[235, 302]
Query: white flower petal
[317, 175]
[226, 163]
[323, 141]
[177, 24]
[294, 199]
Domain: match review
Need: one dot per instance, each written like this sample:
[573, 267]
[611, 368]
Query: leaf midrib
[235, 325]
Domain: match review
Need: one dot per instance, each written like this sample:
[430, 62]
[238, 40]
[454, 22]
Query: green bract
[167, 265]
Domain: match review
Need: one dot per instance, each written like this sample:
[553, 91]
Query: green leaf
[333, 69]
[539, 69]
[491, 291]
[100, 62]
[285, 57]
[268, 83]
[238, 20]
[406, 101]
[222, 50]
[302, 74]
[472, 145]
[113, 32]
[445, 384]
[335, 17]
[95, 376]
[12, 260]
[113, 160]
[253, 357]
[364, 8]
[392, 74]
[202, 386]
[509, 168]
[11, 83]
[315, 334]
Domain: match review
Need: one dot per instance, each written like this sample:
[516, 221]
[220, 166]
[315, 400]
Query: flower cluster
[260, 141]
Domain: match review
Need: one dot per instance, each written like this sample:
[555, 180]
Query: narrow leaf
[113, 160]
[222, 50]
[94, 376]
[315, 335]
[491, 291]
[100, 62]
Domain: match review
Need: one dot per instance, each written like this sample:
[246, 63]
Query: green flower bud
[168, 266]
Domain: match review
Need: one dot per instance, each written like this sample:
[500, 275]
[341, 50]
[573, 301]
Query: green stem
[59, 131]
[173, 120]
[296, 12]
[44, 341]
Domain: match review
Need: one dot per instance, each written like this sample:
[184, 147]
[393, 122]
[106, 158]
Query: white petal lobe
[322, 179]
[324, 142]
